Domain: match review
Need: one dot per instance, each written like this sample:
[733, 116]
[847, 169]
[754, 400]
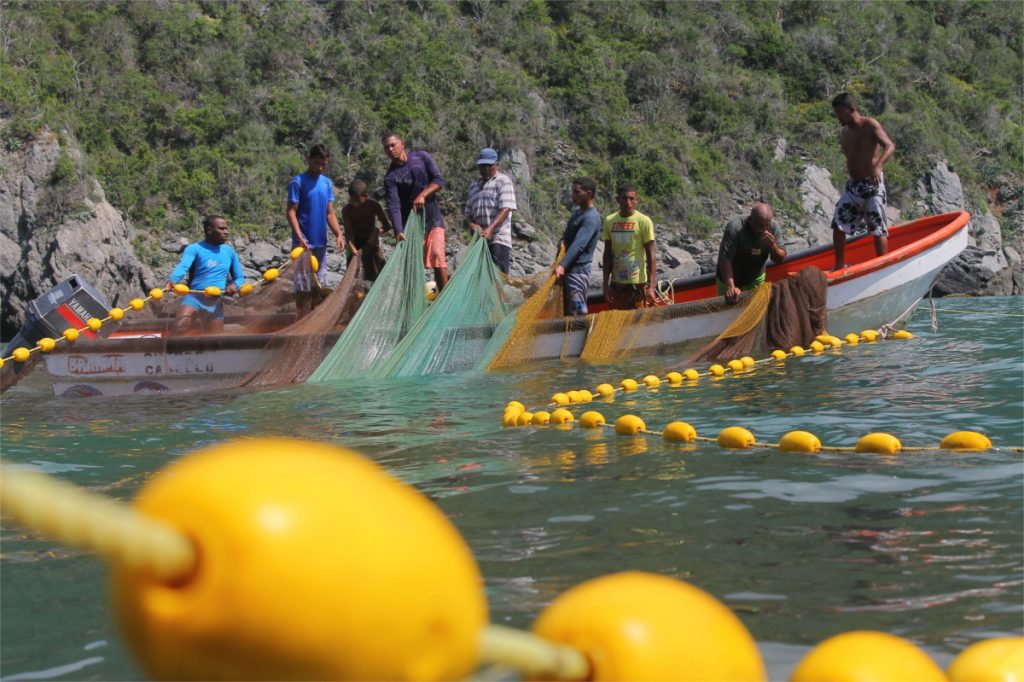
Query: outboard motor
[72, 303]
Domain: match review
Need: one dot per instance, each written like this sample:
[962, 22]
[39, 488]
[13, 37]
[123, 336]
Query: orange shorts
[433, 249]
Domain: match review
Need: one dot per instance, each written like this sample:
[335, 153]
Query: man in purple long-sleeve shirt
[411, 184]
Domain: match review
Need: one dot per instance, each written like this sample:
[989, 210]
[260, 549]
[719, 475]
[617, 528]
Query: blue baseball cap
[487, 157]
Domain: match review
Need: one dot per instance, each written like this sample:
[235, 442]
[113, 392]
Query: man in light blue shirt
[210, 262]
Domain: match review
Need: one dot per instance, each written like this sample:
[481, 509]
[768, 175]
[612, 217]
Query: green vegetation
[184, 107]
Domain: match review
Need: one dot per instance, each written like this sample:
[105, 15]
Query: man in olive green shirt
[744, 250]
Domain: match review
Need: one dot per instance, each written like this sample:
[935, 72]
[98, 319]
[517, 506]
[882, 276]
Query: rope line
[90, 521]
[71, 334]
[533, 656]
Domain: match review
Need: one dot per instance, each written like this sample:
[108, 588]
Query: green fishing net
[395, 301]
[453, 334]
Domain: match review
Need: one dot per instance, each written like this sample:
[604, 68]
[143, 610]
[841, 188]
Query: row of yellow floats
[229, 566]
[732, 437]
[70, 335]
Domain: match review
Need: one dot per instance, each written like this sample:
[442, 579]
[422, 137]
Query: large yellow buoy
[510, 418]
[863, 656]
[691, 374]
[800, 441]
[736, 438]
[585, 395]
[561, 416]
[313, 563]
[736, 365]
[652, 381]
[797, 351]
[271, 274]
[716, 370]
[881, 443]
[246, 289]
[591, 419]
[560, 399]
[852, 339]
[606, 390]
[628, 384]
[540, 418]
[902, 334]
[817, 346]
[296, 252]
[181, 289]
[46, 344]
[779, 354]
[94, 323]
[21, 354]
[524, 418]
[314, 264]
[629, 425]
[1000, 659]
[679, 432]
[641, 626]
[137, 304]
[71, 334]
[515, 403]
[574, 396]
[966, 440]
[869, 335]
[156, 294]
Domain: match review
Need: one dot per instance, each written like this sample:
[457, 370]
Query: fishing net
[789, 313]
[454, 332]
[391, 308]
[513, 341]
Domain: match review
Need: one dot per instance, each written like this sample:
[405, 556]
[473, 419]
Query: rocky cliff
[55, 221]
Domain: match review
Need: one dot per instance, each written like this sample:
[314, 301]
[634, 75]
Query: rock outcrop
[51, 230]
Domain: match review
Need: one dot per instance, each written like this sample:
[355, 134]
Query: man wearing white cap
[492, 198]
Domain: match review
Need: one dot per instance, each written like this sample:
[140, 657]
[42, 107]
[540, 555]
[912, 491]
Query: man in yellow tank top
[629, 263]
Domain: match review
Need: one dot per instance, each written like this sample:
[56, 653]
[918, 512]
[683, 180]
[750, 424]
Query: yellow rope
[534, 657]
[89, 521]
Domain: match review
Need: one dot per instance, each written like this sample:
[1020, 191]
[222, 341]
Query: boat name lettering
[87, 365]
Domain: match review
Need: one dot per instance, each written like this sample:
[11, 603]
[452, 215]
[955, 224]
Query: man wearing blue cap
[492, 198]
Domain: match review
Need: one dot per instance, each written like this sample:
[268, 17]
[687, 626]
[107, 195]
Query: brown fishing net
[781, 315]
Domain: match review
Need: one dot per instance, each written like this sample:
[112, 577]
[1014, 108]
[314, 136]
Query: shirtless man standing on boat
[862, 204]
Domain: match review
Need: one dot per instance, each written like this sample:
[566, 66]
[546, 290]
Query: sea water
[925, 545]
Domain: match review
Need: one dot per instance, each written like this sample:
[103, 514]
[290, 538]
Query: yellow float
[866, 655]
[641, 626]
[299, 574]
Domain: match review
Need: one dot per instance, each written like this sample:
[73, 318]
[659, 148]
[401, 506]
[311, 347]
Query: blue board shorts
[210, 306]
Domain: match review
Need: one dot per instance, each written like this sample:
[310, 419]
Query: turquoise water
[925, 545]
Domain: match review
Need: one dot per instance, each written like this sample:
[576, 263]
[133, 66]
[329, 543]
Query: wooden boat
[871, 292]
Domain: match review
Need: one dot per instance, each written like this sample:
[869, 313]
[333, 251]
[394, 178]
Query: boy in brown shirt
[359, 217]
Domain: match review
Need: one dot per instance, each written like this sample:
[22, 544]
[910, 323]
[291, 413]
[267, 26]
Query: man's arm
[726, 251]
[777, 253]
[652, 273]
[332, 222]
[888, 148]
[606, 267]
[348, 228]
[488, 231]
[237, 274]
[436, 182]
[293, 220]
[394, 207]
[385, 224]
[188, 257]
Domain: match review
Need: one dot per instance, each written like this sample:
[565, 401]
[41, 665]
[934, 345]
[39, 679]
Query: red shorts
[433, 249]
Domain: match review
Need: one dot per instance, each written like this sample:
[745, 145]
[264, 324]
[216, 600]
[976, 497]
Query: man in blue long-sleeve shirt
[580, 238]
[411, 184]
[208, 263]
